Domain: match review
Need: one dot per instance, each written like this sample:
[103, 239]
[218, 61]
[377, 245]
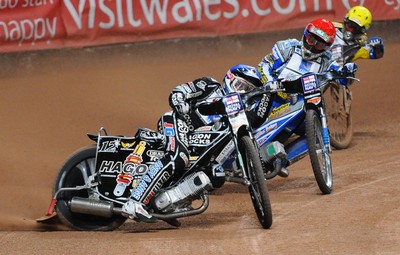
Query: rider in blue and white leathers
[291, 58]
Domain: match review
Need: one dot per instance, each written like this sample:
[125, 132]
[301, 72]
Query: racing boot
[135, 211]
[280, 164]
[284, 172]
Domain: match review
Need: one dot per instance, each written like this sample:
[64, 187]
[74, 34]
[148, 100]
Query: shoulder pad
[289, 43]
[283, 49]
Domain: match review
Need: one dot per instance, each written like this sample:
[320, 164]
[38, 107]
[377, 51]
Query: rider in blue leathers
[288, 61]
[291, 58]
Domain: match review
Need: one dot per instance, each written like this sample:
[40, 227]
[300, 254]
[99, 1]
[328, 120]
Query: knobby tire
[319, 156]
[258, 188]
[73, 173]
[339, 119]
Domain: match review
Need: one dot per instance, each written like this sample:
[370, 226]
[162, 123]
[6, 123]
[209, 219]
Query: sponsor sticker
[309, 83]
[233, 104]
[169, 129]
[200, 139]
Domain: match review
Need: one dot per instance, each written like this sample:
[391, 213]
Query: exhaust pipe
[93, 207]
[107, 209]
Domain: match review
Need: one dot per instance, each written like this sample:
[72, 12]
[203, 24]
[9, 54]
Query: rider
[351, 37]
[290, 59]
[175, 126]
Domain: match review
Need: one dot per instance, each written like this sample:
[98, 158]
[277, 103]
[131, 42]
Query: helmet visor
[241, 85]
[316, 42]
[352, 27]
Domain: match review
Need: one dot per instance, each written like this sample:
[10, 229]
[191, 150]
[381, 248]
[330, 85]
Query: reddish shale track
[49, 100]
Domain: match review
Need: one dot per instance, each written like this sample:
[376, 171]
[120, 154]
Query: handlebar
[295, 87]
[323, 79]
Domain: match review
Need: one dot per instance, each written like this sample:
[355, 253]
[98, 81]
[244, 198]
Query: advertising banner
[46, 24]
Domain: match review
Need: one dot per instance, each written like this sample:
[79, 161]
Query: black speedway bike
[95, 181]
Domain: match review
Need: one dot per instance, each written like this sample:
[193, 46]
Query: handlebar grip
[292, 86]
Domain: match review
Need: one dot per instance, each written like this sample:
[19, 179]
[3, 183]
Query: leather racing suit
[348, 51]
[285, 63]
[174, 127]
[184, 96]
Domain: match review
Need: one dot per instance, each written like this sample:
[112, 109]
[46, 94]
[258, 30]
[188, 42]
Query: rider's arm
[177, 101]
[271, 64]
[182, 95]
[373, 49]
[348, 69]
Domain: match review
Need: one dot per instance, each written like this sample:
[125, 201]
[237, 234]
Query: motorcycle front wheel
[258, 186]
[75, 172]
[338, 111]
[319, 154]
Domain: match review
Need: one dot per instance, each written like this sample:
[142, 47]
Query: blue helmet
[241, 78]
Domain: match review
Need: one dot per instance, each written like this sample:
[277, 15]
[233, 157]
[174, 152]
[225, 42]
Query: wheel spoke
[319, 154]
[258, 187]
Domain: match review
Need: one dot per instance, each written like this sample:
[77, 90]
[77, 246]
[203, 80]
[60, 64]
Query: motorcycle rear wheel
[258, 186]
[339, 115]
[75, 171]
[319, 155]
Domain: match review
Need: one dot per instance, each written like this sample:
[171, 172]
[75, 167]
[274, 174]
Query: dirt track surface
[50, 100]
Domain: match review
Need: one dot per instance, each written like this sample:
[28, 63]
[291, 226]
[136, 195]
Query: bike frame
[287, 118]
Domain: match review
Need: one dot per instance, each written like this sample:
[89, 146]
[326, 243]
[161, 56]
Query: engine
[183, 193]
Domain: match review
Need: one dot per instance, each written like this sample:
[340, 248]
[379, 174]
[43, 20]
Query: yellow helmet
[359, 15]
[356, 23]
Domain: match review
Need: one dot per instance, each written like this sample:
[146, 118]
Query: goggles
[241, 85]
[353, 27]
[316, 42]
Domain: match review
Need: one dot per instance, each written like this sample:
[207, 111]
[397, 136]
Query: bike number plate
[309, 83]
[233, 104]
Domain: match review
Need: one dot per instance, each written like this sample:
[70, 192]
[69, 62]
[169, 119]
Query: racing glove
[273, 85]
[377, 48]
[349, 69]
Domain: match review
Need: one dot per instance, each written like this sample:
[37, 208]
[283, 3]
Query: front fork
[325, 130]
[245, 179]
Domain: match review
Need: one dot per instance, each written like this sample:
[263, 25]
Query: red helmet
[318, 37]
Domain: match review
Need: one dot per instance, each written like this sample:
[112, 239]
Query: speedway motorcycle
[338, 98]
[96, 181]
[296, 125]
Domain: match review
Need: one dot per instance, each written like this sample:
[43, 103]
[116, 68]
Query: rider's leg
[176, 158]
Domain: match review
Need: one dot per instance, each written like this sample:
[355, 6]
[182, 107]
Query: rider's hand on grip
[350, 68]
[377, 48]
[273, 85]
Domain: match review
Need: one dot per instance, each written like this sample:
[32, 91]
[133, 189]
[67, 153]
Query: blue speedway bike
[296, 124]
